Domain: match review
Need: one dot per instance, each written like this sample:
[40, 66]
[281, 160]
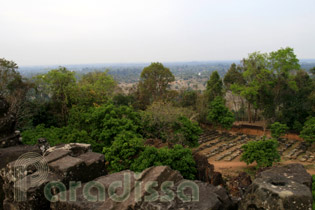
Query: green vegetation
[169, 123]
[122, 153]
[219, 114]
[264, 152]
[154, 84]
[64, 106]
[178, 158]
[308, 132]
[278, 129]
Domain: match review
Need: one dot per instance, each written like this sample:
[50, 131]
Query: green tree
[103, 123]
[178, 158]
[219, 114]
[233, 76]
[264, 152]
[154, 83]
[59, 85]
[278, 129]
[169, 123]
[214, 86]
[95, 88]
[308, 132]
[186, 131]
[122, 153]
[14, 89]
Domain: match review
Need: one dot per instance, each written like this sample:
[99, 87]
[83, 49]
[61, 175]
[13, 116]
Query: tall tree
[154, 83]
[214, 86]
[13, 87]
[95, 88]
[59, 85]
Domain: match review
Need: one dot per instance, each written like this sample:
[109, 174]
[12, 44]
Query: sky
[57, 32]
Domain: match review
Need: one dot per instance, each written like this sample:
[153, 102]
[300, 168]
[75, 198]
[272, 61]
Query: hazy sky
[37, 32]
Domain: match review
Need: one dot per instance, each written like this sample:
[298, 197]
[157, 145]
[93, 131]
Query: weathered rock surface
[64, 163]
[10, 154]
[140, 197]
[283, 188]
[238, 185]
[205, 171]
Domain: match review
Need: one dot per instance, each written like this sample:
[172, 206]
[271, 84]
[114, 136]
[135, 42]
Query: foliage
[264, 152]
[308, 132]
[95, 88]
[233, 76]
[219, 114]
[56, 136]
[178, 158]
[58, 85]
[188, 98]
[123, 151]
[278, 129]
[169, 123]
[154, 83]
[188, 130]
[214, 86]
[13, 88]
[103, 123]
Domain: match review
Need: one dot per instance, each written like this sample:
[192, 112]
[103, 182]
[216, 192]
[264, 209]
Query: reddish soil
[232, 168]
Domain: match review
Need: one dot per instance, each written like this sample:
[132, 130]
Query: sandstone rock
[238, 185]
[10, 154]
[279, 188]
[64, 163]
[205, 171]
[139, 197]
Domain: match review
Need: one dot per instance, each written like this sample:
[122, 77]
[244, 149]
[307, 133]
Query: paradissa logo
[149, 189]
[140, 190]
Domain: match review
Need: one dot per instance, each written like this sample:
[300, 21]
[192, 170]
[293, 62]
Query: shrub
[56, 136]
[188, 130]
[124, 149]
[219, 114]
[169, 123]
[264, 152]
[178, 158]
[104, 123]
[278, 129]
[308, 132]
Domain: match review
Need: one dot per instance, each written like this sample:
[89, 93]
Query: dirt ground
[232, 168]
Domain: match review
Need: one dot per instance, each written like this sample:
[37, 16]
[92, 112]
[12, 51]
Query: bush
[104, 123]
[178, 158]
[169, 123]
[278, 129]
[125, 148]
[308, 132]
[219, 114]
[56, 136]
[264, 152]
[188, 130]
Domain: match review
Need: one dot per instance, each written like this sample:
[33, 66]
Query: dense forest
[64, 106]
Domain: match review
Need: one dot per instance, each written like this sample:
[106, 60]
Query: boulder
[143, 195]
[10, 154]
[284, 188]
[238, 185]
[205, 171]
[63, 163]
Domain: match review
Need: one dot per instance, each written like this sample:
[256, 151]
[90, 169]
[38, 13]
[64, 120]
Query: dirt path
[232, 168]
